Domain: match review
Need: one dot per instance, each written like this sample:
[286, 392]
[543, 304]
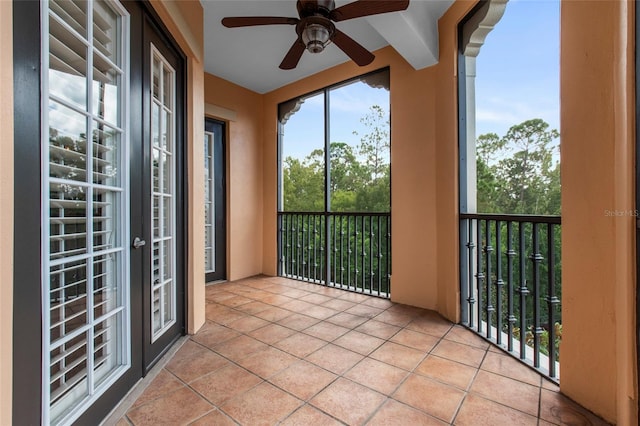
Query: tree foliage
[516, 173]
[359, 176]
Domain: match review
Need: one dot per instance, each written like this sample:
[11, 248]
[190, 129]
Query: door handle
[137, 243]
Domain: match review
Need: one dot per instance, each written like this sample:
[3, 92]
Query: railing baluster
[341, 249]
[499, 282]
[488, 248]
[379, 268]
[470, 277]
[552, 300]
[510, 255]
[364, 253]
[388, 257]
[371, 235]
[523, 292]
[536, 257]
[480, 274]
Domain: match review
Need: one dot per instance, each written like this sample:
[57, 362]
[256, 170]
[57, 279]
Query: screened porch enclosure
[334, 220]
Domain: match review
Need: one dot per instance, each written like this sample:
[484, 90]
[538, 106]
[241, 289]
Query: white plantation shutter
[163, 208]
[85, 204]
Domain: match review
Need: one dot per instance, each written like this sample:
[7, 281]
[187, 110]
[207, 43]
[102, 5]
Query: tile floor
[277, 351]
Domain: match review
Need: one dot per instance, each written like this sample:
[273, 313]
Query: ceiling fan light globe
[315, 37]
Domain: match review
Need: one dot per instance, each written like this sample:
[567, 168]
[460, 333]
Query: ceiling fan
[315, 28]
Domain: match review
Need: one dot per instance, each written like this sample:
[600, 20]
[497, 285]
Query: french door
[110, 251]
[214, 208]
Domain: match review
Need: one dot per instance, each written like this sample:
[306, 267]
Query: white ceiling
[250, 56]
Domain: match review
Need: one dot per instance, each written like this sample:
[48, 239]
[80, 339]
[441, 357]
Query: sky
[517, 80]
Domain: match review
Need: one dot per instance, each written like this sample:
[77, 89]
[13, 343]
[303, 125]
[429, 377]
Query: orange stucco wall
[244, 174]
[598, 252]
[6, 213]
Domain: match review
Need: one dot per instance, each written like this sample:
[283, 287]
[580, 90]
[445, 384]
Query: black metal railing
[511, 284]
[351, 251]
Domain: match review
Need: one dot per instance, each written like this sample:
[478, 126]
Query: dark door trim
[220, 211]
[27, 277]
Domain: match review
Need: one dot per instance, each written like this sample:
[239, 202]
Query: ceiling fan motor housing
[312, 7]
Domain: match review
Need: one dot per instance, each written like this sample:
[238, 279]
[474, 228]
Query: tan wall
[242, 110]
[184, 19]
[598, 254]
[6, 213]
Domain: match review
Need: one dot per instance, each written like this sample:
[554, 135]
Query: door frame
[27, 398]
[220, 212]
[156, 33]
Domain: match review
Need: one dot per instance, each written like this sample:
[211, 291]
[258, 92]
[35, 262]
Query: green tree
[516, 172]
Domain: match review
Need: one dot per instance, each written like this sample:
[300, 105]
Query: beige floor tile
[344, 319]
[162, 384]
[334, 358]
[377, 375]
[225, 383]
[363, 310]
[477, 411]
[394, 413]
[178, 407]
[350, 402]
[317, 299]
[359, 342]
[459, 352]
[247, 324]
[558, 409]
[326, 331]
[398, 355]
[378, 329]
[273, 314]
[193, 361]
[338, 305]
[416, 340]
[309, 416]
[263, 405]
[253, 308]
[447, 371]
[268, 362]
[222, 314]
[239, 347]
[212, 334]
[508, 366]
[298, 322]
[272, 333]
[398, 319]
[503, 390]
[434, 398]
[463, 335]
[303, 379]
[300, 344]
[214, 418]
[378, 302]
[320, 312]
[432, 324]
[232, 302]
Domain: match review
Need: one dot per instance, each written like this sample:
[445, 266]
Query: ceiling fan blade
[352, 48]
[361, 8]
[293, 56]
[250, 21]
